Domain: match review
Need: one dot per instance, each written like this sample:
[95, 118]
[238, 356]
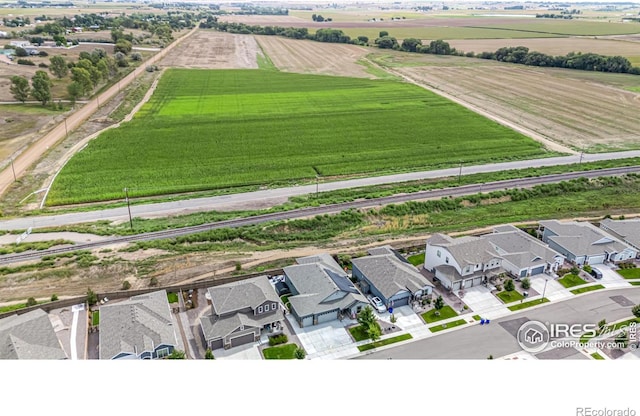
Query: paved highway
[326, 209]
[214, 203]
[480, 341]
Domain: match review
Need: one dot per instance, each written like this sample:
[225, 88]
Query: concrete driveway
[327, 340]
[554, 291]
[610, 278]
[242, 352]
[484, 303]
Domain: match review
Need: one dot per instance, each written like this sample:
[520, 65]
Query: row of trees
[40, 88]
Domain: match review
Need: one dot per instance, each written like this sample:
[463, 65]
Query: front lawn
[597, 356]
[446, 312]
[477, 317]
[359, 333]
[172, 297]
[630, 273]
[384, 342]
[417, 259]
[508, 297]
[571, 280]
[448, 325]
[285, 299]
[586, 289]
[528, 304]
[95, 318]
[280, 352]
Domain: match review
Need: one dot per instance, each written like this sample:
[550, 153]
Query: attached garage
[537, 270]
[216, 343]
[477, 281]
[401, 301]
[468, 283]
[242, 339]
[456, 285]
[307, 321]
[596, 259]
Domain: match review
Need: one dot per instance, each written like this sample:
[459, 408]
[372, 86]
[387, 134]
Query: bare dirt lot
[216, 50]
[577, 112]
[302, 56]
[554, 46]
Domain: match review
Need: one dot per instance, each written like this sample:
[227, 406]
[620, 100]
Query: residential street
[480, 341]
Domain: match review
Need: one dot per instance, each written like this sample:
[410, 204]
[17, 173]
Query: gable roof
[249, 293]
[582, 238]
[390, 275]
[467, 251]
[29, 336]
[519, 248]
[136, 325]
[627, 230]
[317, 281]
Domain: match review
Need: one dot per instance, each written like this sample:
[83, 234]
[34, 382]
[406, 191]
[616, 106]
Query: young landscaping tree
[20, 88]
[126, 285]
[374, 331]
[31, 302]
[177, 355]
[636, 311]
[300, 353]
[92, 298]
[58, 66]
[526, 283]
[439, 303]
[366, 317]
[54, 297]
[208, 354]
[74, 90]
[509, 285]
[41, 87]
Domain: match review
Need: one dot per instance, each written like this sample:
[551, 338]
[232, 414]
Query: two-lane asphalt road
[481, 341]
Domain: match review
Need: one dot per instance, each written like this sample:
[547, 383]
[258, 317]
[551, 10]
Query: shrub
[499, 288]
[31, 302]
[54, 297]
[636, 311]
[153, 281]
[43, 54]
[393, 319]
[92, 298]
[300, 353]
[575, 270]
[26, 62]
[278, 339]
[238, 266]
[509, 285]
[126, 285]
[526, 283]
[208, 355]
[587, 268]
[43, 65]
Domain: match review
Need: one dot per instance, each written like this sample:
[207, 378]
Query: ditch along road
[309, 212]
[33, 153]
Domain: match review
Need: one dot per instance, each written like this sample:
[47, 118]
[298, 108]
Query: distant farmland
[211, 129]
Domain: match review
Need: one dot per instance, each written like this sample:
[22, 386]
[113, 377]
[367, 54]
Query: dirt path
[27, 158]
[549, 144]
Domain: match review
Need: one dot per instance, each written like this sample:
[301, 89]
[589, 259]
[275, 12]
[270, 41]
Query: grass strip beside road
[570, 280]
[586, 289]
[529, 304]
[384, 342]
[280, 352]
[509, 296]
[448, 325]
[630, 273]
[597, 356]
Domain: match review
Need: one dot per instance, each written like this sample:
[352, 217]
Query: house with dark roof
[584, 243]
[385, 275]
[240, 312]
[138, 328]
[321, 291]
[523, 255]
[626, 230]
[461, 262]
[29, 336]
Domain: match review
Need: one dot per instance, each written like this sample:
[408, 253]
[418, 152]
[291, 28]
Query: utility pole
[66, 131]
[581, 154]
[460, 173]
[14, 172]
[126, 193]
[317, 186]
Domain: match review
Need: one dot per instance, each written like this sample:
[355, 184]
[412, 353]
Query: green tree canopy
[41, 87]
[58, 66]
[20, 88]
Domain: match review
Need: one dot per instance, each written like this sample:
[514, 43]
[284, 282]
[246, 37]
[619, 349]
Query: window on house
[446, 260]
[439, 253]
[162, 352]
[273, 306]
[259, 309]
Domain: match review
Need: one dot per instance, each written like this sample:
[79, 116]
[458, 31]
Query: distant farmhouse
[29, 336]
[139, 328]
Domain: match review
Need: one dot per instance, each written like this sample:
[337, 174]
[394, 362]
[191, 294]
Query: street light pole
[544, 290]
[126, 193]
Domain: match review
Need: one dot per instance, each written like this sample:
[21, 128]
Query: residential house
[29, 336]
[138, 328]
[461, 262]
[321, 291]
[626, 230]
[523, 255]
[584, 243]
[389, 277]
[240, 311]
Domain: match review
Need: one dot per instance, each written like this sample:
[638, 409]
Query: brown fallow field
[308, 57]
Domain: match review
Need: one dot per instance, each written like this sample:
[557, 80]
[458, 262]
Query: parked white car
[377, 304]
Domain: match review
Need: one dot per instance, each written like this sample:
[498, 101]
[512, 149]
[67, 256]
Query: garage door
[456, 286]
[477, 281]
[308, 321]
[241, 340]
[401, 302]
[468, 283]
[596, 259]
[537, 270]
[218, 343]
[326, 317]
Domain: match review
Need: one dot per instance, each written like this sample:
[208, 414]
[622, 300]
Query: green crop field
[563, 27]
[212, 129]
[443, 32]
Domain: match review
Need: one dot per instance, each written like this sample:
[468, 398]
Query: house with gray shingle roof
[626, 230]
[321, 291]
[584, 243]
[138, 328]
[240, 311]
[461, 262]
[523, 255]
[29, 336]
[394, 281]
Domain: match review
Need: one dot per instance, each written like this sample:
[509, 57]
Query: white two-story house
[461, 262]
